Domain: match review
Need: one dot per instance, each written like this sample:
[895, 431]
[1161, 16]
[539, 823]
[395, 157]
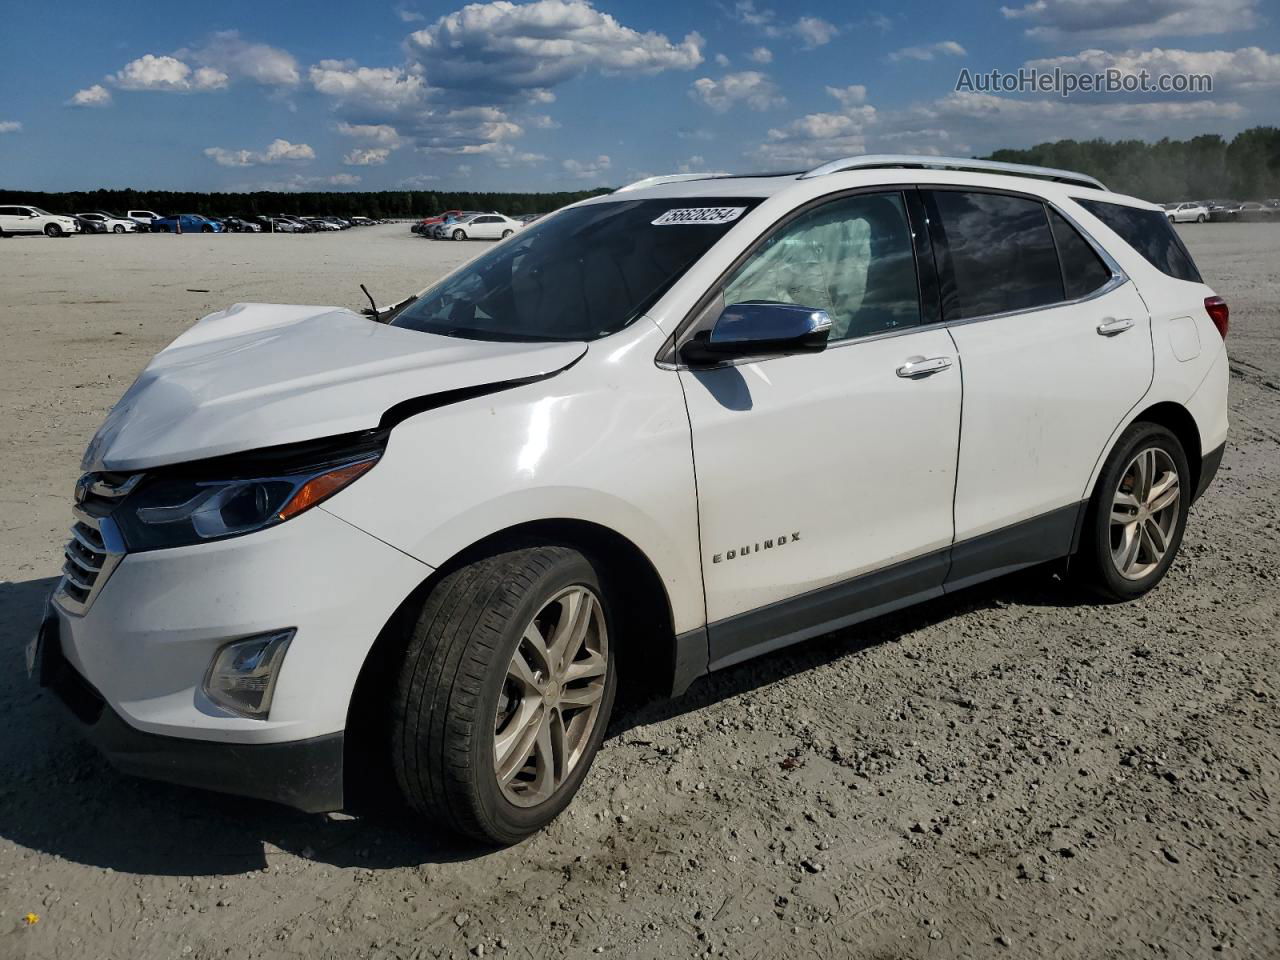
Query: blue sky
[564, 94]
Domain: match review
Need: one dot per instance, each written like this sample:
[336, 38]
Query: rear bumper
[303, 774]
[1209, 464]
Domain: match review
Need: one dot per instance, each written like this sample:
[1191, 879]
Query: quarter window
[995, 253]
[1148, 232]
[852, 258]
[1082, 269]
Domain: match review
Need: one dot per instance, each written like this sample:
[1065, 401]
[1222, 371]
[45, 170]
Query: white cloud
[409, 16]
[501, 48]
[815, 137]
[232, 56]
[1249, 68]
[587, 170]
[853, 95]
[814, 31]
[373, 157]
[279, 151]
[749, 87]
[385, 87]
[761, 55]
[418, 180]
[164, 73]
[1113, 21]
[948, 48]
[721, 60]
[301, 182]
[10, 126]
[94, 96]
[382, 134]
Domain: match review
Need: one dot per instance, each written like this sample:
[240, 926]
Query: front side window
[1149, 233]
[581, 274]
[995, 253]
[851, 257]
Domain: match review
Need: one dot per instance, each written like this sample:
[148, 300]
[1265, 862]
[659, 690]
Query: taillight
[1217, 310]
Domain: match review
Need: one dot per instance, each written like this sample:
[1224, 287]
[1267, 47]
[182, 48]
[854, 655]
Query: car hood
[259, 375]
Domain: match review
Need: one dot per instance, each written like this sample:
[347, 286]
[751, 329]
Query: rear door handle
[917, 367]
[1109, 328]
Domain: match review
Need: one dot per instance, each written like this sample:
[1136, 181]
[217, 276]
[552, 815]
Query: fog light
[243, 674]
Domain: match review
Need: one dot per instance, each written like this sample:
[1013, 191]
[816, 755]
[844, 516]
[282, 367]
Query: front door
[825, 481]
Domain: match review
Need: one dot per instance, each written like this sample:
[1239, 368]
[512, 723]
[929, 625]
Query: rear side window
[1148, 232]
[1082, 269]
[995, 253]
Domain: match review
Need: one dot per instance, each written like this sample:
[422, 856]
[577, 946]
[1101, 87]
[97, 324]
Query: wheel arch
[642, 614]
[1179, 421]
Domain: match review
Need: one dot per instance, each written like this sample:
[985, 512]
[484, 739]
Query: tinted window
[1148, 232]
[995, 253]
[579, 275]
[1082, 269]
[851, 257]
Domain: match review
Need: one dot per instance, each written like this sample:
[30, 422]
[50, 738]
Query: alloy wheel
[551, 697]
[1144, 513]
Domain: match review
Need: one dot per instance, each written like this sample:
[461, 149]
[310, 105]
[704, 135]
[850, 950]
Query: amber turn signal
[322, 487]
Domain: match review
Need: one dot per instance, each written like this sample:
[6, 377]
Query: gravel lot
[1013, 771]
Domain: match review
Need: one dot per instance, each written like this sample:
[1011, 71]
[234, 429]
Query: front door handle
[917, 367]
[1109, 328]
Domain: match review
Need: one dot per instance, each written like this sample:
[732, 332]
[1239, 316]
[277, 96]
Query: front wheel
[506, 233]
[52, 230]
[117, 229]
[1200, 219]
[1138, 512]
[504, 693]
[459, 235]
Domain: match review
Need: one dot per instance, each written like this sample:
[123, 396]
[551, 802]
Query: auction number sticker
[699, 215]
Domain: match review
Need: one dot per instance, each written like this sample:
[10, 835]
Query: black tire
[1096, 548]
[117, 229]
[52, 230]
[459, 235]
[1200, 219]
[453, 678]
[206, 229]
[507, 233]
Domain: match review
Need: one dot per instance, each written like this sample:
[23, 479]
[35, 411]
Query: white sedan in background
[112, 223]
[1187, 213]
[483, 226]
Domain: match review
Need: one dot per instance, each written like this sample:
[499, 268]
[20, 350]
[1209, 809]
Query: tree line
[390, 204]
[1246, 167]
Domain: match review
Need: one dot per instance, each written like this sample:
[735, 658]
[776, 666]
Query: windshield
[581, 274]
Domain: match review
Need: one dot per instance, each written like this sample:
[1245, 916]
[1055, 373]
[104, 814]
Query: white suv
[15, 220]
[655, 434]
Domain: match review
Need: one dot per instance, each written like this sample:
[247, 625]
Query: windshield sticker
[699, 215]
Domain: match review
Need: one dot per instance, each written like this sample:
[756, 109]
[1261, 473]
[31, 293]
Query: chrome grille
[95, 546]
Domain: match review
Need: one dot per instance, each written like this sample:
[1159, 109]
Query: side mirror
[759, 328]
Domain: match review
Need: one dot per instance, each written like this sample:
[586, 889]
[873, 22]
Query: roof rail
[873, 161]
[665, 178]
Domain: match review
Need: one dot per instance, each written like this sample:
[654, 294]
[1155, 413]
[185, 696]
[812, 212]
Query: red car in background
[425, 224]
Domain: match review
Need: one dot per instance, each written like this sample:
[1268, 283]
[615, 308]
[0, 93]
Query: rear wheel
[1138, 513]
[505, 692]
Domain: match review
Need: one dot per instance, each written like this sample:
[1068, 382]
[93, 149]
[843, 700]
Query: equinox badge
[755, 548]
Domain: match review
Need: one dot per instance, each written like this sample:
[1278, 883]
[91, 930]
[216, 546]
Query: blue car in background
[191, 223]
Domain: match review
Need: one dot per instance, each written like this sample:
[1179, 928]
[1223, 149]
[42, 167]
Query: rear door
[1055, 345]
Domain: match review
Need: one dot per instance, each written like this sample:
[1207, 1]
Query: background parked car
[444, 228]
[191, 223]
[1252, 211]
[1190, 212]
[241, 225]
[426, 225]
[108, 222]
[24, 219]
[144, 218]
[1221, 211]
[89, 226]
[484, 226]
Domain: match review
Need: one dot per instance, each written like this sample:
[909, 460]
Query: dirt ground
[1013, 771]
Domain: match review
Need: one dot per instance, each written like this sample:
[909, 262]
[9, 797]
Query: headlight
[173, 511]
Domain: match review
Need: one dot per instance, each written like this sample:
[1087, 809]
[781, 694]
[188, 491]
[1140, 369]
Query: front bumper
[304, 774]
